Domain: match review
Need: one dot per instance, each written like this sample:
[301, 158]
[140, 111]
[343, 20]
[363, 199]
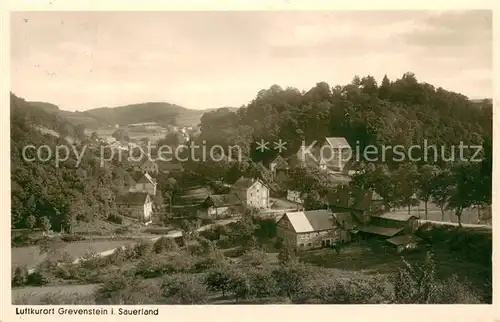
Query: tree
[406, 177]
[440, 192]
[415, 284]
[385, 87]
[121, 135]
[239, 284]
[290, 279]
[217, 279]
[286, 254]
[426, 184]
[463, 192]
[31, 222]
[94, 136]
[262, 283]
[46, 224]
[184, 289]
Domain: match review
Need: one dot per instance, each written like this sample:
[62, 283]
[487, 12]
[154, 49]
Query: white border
[302, 313]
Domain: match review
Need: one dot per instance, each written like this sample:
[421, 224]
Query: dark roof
[404, 240]
[396, 216]
[280, 162]
[146, 178]
[225, 200]
[383, 231]
[320, 219]
[169, 166]
[345, 220]
[132, 198]
[244, 183]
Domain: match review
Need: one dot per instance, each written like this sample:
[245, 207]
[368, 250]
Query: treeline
[401, 112]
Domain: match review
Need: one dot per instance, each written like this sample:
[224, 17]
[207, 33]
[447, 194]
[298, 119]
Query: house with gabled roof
[137, 205]
[334, 154]
[145, 184]
[220, 206]
[252, 192]
[309, 229]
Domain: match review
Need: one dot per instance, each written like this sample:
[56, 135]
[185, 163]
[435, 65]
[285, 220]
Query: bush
[122, 230]
[117, 219]
[72, 238]
[37, 279]
[207, 221]
[143, 248]
[55, 298]
[19, 276]
[164, 244]
[184, 289]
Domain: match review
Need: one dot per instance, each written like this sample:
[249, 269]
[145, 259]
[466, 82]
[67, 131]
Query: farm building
[309, 229]
[405, 242]
[136, 205]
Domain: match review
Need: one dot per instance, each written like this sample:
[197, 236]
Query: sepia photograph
[250, 157]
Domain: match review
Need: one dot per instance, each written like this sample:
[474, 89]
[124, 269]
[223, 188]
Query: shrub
[55, 298]
[143, 248]
[72, 238]
[19, 276]
[122, 230]
[164, 244]
[117, 219]
[184, 289]
[115, 283]
[37, 278]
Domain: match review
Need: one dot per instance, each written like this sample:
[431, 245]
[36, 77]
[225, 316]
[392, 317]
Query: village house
[220, 206]
[145, 184]
[149, 166]
[334, 154]
[310, 229]
[251, 192]
[136, 205]
[169, 167]
[294, 196]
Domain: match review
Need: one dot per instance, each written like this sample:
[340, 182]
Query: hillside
[399, 112]
[46, 191]
[160, 112]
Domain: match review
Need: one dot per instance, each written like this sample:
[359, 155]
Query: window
[309, 244]
[302, 245]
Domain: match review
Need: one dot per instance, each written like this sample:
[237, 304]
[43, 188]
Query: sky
[199, 60]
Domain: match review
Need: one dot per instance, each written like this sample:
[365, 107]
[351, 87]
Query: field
[30, 256]
[469, 216]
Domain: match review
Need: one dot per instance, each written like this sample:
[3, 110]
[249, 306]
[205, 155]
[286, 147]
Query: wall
[147, 211]
[334, 158]
[145, 187]
[294, 196]
[258, 196]
[314, 239]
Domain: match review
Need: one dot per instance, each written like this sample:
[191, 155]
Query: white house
[252, 192]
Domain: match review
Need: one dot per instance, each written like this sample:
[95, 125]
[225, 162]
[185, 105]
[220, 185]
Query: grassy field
[30, 256]
[377, 257]
[469, 216]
